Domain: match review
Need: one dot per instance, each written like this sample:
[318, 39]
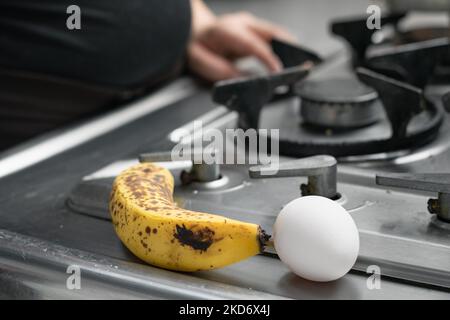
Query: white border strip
[172, 93]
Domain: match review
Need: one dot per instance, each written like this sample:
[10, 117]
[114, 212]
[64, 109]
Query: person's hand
[218, 41]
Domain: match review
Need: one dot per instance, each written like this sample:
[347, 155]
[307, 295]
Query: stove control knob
[431, 182]
[202, 171]
[320, 170]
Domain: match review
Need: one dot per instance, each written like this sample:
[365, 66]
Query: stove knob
[201, 171]
[320, 170]
[431, 182]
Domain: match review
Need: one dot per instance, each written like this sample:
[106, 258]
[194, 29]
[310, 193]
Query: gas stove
[386, 131]
[376, 142]
[347, 106]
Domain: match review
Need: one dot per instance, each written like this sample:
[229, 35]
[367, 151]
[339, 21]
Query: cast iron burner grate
[394, 58]
[410, 120]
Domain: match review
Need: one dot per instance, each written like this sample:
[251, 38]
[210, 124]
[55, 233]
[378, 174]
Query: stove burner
[410, 119]
[340, 103]
[249, 95]
[412, 63]
[415, 56]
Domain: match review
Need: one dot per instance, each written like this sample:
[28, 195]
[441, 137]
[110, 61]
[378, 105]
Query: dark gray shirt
[121, 42]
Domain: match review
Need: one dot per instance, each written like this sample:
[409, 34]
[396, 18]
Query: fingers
[209, 65]
[262, 50]
[234, 36]
[268, 30]
[245, 42]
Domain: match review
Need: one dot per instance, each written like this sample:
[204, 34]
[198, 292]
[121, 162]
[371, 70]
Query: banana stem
[269, 244]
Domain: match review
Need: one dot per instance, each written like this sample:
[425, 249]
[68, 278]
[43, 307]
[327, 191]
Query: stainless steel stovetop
[398, 234]
[54, 193]
[408, 244]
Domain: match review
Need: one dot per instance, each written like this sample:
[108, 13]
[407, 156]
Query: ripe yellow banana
[159, 232]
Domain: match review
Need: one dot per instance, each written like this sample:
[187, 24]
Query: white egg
[316, 238]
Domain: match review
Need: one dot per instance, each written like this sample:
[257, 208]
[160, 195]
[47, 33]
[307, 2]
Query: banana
[154, 228]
